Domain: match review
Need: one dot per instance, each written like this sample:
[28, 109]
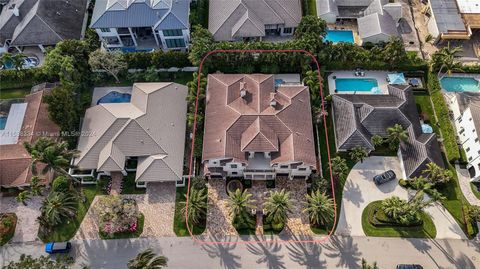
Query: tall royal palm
[358, 153]
[240, 203]
[55, 155]
[197, 205]
[437, 174]
[339, 167]
[320, 208]
[147, 260]
[446, 59]
[58, 206]
[277, 207]
[396, 135]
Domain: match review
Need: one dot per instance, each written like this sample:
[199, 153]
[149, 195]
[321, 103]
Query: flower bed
[8, 222]
[118, 218]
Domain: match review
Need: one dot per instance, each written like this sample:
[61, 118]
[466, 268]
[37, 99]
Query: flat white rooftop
[10, 134]
[469, 6]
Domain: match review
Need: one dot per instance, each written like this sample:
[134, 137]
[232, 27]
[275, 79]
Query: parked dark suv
[409, 266]
[384, 177]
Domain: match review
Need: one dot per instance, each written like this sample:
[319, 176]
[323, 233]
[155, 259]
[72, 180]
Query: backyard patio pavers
[157, 205]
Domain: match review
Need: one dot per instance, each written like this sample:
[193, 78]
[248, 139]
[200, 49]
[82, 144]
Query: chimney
[15, 10]
[273, 103]
[243, 91]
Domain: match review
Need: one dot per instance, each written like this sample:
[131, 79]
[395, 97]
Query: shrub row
[10, 78]
[441, 109]
[377, 218]
[157, 59]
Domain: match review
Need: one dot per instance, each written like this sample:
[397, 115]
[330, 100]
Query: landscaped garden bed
[8, 222]
[118, 217]
[179, 225]
[376, 223]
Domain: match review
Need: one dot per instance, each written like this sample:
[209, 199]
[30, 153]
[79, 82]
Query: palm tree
[377, 140]
[474, 213]
[58, 206]
[277, 207]
[23, 197]
[147, 260]
[36, 188]
[422, 186]
[197, 205]
[358, 154]
[394, 207]
[240, 203]
[437, 174]
[339, 167]
[429, 38]
[320, 208]
[55, 155]
[365, 265]
[396, 135]
[446, 58]
[319, 113]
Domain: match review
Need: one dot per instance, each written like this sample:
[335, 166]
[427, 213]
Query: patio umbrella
[414, 82]
[396, 78]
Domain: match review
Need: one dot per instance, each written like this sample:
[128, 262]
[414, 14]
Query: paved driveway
[359, 191]
[27, 224]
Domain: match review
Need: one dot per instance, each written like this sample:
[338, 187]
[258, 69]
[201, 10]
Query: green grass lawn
[137, 233]
[129, 186]
[8, 222]
[427, 230]
[475, 191]
[14, 93]
[179, 225]
[67, 230]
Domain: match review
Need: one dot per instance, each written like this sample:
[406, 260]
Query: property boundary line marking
[202, 242]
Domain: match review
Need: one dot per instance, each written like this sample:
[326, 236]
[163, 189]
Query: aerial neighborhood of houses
[170, 119]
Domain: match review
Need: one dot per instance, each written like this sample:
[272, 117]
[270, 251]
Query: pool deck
[100, 92]
[380, 76]
[10, 134]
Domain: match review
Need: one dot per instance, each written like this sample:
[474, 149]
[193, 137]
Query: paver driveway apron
[360, 190]
[27, 224]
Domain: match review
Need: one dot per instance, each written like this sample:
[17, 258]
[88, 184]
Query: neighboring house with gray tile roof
[256, 130]
[235, 20]
[358, 117]
[142, 25]
[41, 23]
[465, 110]
[149, 130]
[445, 22]
[377, 19]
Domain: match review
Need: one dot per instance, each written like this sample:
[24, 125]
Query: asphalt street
[338, 252]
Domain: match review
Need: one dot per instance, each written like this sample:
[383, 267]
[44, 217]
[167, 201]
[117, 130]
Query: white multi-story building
[465, 111]
[142, 25]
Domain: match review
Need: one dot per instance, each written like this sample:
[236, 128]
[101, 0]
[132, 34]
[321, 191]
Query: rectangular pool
[3, 122]
[336, 36]
[355, 84]
[460, 84]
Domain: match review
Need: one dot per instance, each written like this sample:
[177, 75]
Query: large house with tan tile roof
[26, 122]
[235, 20]
[149, 130]
[256, 129]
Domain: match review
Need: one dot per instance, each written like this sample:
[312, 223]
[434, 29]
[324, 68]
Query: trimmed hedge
[157, 59]
[441, 109]
[12, 78]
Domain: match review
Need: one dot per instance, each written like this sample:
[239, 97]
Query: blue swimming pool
[460, 84]
[115, 97]
[336, 36]
[3, 122]
[356, 84]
